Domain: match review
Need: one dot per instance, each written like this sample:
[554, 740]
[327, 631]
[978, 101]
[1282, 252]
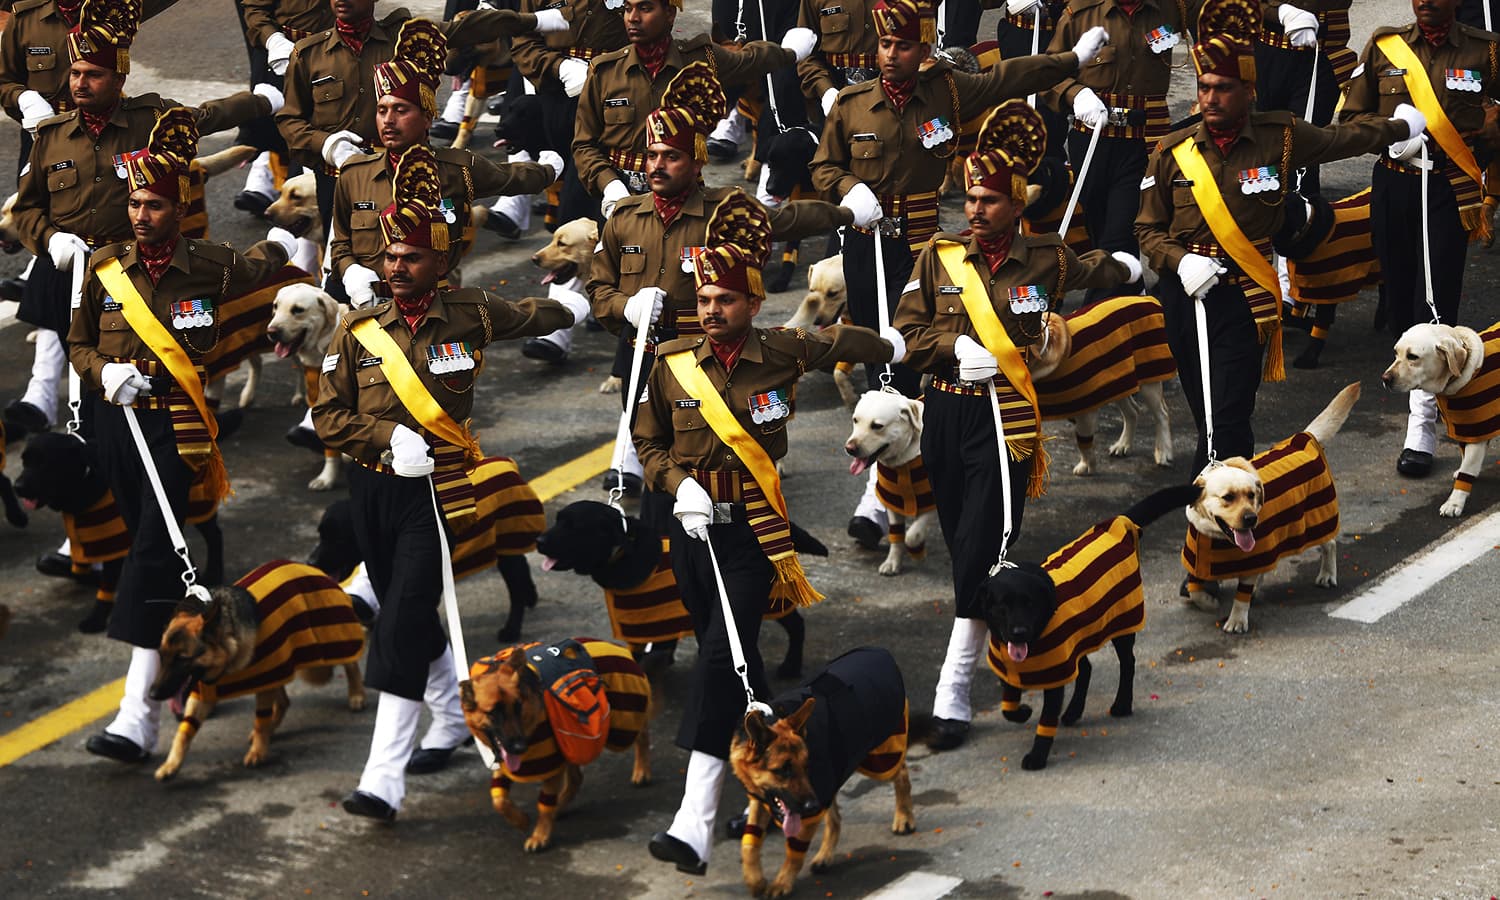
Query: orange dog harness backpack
[577, 706]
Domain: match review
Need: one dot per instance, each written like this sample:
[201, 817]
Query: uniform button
[93, 212]
[762, 339]
[96, 179]
[97, 147]
[729, 457]
[661, 271]
[728, 385]
[192, 246]
[950, 309]
[700, 340]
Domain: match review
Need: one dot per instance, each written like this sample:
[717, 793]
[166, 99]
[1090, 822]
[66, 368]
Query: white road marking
[8, 313]
[917, 886]
[1414, 577]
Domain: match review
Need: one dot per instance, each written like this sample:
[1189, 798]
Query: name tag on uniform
[830, 10]
[1463, 80]
[1392, 72]
[768, 407]
[450, 213]
[688, 255]
[364, 204]
[865, 136]
[38, 51]
[1260, 180]
[1162, 39]
[111, 304]
[933, 132]
[629, 248]
[556, 5]
[950, 289]
[369, 361]
[454, 356]
[1182, 182]
[687, 404]
[59, 166]
[324, 80]
[1029, 298]
[613, 102]
[330, 362]
[196, 313]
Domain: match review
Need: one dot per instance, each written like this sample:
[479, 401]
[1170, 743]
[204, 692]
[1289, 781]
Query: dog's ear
[798, 719]
[912, 410]
[1453, 354]
[330, 308]
[466, 696]
[757, 730]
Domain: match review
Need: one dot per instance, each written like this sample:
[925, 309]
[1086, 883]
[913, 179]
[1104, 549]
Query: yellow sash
[409, 389]
[1227, 233]
[1425, 99]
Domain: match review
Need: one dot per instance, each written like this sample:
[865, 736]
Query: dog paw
[508, 633]
[357, 703]
[756, 887]
[1452, 509]
[1326, 581]
[891, 567]
[1121, 711]
[1034, 761]
[1234, 625]
[1019, 714]
[1082, 468]
[254, 757]
[322, 483]
[1119, 448]
[536, 844]
[640, 779]
[779, 888]
[1071, 719]
[166, 771]
[1164, 458]
[610, 385]
[903, 825]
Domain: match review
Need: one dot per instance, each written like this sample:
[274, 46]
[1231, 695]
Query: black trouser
[1282, 80]
[1234, 353]
[1396, 223]
[864, 309]
[396, 529]
[559, 113]
[151, 580]
[716, 699]
[1111, 197]
[962, 457]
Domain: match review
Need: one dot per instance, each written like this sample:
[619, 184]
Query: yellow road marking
[96, 704]
[62, 721]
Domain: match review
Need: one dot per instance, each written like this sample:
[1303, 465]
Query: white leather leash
[174, 531]
[1200, 317]
[736, 651]
[1005, 485]
[1425, 164]
[882, 302]
[622, 433]
[75, 384]
[1036, 42]
[1088, 157]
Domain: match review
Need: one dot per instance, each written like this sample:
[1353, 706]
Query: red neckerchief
[667, 208]
[69, 11]
[354, 34]
[95, 123]
[997, 251]
[898, 93]
[413, 310]
[728, 354]
[1129, 7]
[1225, 138]
[1435, 36]
[155, 257]
[654, 55]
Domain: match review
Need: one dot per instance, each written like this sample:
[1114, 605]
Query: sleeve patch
[1148, 182]
[330, 362]
[1358, 71]
[911, 286]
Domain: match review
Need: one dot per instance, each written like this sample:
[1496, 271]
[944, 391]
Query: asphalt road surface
[1317, 756]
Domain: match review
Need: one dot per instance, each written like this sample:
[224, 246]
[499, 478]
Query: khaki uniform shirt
[671, 434]
[620, 94]
[1127, 64]
[636, 250]
[34, 54]
[295, 19]
[844, 28]
[357, 409]
[198, 270]
[592, 30]
[330, 89]
[931, 314]
[363, 191]
[73, 184]
[867, 140]
[1378, 86]
[1170, 219]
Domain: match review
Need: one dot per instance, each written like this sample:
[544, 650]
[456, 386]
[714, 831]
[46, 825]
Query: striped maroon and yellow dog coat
[905, 491]
[1344, 263]
[304, 620]
[507, 519]
[1301, 510]
[652, 611]
[1473, 413]
[1119, 344]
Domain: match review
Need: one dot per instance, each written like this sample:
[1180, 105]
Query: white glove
[279, 52]
[272, 94]
[614, 192]
[1131, 262]
[1090, 44]
[1300, 26]
[552, 157]
[34, 108]
[898, 343]
[359, 284]
[550, 20]
[284, 238]
[576, 303]
[1016, 7]
[1089, 109]
[62, 246]
[123, 383]
[1199, 274]
[862, 201]
[409, 453]
[1401, 151]
[974, 362]
[339, 146]
[800, 41]
[572, 73]
[1413, 118]
[694, 508]
[830, 97]
[644, 307]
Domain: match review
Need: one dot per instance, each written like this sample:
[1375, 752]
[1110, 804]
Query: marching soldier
[1450, 71]
[147, 318]
[1123, 86]
[330, 111]
[710, 433]
[972, 315]
[72, 198]
[847, 42]
[557, 64]
[398, 383]
[1212, 198]
[609, 140]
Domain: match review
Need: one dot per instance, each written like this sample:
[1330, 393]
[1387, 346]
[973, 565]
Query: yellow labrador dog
[303, 319]
[887, 432]
[1462, 367]
[826, 303]
[566, 261]
[296, 209]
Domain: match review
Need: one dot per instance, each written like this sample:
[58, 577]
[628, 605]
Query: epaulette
[1177, 137]
[1076, 5]
[61, 117]
[1476, 32]
[610, 57]
[782, 339]
[25, 5]
[361, 157]
[1278, 117]
[672, 346]
[456, 155]
[214, 252]
[632, 201]
[355, 315]
[1390, 29]
[696, 42]
[466, 295]
[106, 253]
[864, 87]
[143, 101]
[1049, 239]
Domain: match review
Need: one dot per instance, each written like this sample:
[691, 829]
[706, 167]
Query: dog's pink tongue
[1017, 651]
[858, 466]
[29, 503]
[512, 763]
[791, 824]
[1245, 540]
[282, 350]
[548, 563]
[547, 279]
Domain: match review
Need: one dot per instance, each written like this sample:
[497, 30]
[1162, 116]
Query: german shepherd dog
[505, 707]
[851, 716]
[282, 620]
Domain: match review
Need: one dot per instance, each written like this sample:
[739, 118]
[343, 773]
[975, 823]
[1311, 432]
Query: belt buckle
[891, 226]
[636, 181]
[723, 514]
[1119, 117]
[858, 74]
